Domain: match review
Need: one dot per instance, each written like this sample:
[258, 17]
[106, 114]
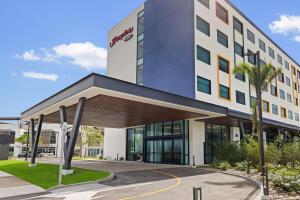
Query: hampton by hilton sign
[126, 36]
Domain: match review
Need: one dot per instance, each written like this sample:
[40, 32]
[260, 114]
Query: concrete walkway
[12, 186]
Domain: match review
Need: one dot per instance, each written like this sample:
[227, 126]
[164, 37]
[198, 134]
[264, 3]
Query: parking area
[152, 181]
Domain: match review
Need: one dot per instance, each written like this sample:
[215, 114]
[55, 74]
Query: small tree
[92, 136]
[250, 148]
[22, 139]
[273, 154]
[291, 153]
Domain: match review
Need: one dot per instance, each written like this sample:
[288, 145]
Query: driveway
[152, 181]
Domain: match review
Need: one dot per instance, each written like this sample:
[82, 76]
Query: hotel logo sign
[125, 36]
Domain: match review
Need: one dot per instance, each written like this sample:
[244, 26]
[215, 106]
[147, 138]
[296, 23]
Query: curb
[107, 179]
[259, 196]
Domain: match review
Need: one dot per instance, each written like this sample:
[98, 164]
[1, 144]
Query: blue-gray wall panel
[169, 63]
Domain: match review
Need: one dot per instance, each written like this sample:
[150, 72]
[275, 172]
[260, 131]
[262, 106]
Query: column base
[32, 165]
[67, 171]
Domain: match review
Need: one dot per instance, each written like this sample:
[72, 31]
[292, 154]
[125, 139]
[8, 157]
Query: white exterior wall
[121, 60]
[196, 140]
[114, 143]
[210, 71]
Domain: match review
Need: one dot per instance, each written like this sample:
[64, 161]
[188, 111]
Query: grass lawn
[46, 175]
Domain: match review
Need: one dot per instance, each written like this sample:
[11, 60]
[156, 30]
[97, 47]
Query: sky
[47, 45]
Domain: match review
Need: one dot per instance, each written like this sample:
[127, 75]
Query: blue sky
[44, 45]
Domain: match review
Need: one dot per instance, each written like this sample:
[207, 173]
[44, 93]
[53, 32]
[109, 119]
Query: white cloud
[29, 56]
[86, 55]
[297, 38]
[41, 76]
[286, 24]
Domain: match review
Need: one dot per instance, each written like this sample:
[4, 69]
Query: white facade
[122, 58]
[114, 143]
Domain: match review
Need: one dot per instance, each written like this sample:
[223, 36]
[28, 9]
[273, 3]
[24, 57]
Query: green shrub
[286, 179]
[291, 154]
[228, 151]
[241, 166]
[223, 165]
[272, 154]
[250, 149]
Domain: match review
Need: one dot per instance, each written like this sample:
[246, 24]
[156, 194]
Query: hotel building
[170, 91]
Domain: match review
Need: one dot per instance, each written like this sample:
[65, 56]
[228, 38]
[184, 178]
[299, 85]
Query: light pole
[27, 139]
[261, 137]
[64, 128]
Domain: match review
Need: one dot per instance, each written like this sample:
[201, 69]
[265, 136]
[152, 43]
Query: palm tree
[268, 73]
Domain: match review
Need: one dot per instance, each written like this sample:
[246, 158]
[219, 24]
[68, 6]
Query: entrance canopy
[113, 103]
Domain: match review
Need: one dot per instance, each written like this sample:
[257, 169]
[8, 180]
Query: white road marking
[80, 195]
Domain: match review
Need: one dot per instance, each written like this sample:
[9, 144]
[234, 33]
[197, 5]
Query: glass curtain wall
[167, 142]
[214, 134]
[135, 144]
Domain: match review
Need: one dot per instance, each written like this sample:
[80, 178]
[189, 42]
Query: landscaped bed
[46, 175]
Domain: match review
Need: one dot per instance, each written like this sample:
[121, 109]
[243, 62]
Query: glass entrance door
[135, 144]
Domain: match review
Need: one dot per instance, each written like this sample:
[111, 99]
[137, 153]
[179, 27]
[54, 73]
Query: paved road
[150, 184]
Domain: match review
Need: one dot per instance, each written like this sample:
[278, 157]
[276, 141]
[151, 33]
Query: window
[222, 39]
[252, 101]
[296, 102]
[288, 81]
[223, 65]
[224, 92]
[250, 36]
[238, 49]
[262, 45]
[286, 65]
[140, 49]
[271, 53]
[282, 94]
[139, 77]
[281, 77]
[251, 58]
[203, 55]
[283, 112]
[262, 62]
[241, 77]
[266, 107]
[240, 97]
[53, 138]
[297, 117]
[295, 86]
[294, 70]
[289, 97]
[279, 59]
[221, 13]
[203, 26]
[204, 85]
[238, 26]
[274, 90]
[290, 115]
[274, 109]
[205, 3]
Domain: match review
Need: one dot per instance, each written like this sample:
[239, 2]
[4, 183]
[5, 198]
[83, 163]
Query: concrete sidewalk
[12, 186]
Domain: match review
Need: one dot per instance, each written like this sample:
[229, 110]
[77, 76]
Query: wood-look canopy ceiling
[112, 112]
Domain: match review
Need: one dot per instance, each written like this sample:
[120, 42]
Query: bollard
[197, 193]
[194, 164]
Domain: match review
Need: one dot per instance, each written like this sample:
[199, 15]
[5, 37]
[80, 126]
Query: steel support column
[32, 134]
[36, 139]
[74, 133]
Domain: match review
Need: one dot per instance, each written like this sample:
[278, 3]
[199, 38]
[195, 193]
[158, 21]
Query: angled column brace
[36, 139]
[32, 134]
[74, 133]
